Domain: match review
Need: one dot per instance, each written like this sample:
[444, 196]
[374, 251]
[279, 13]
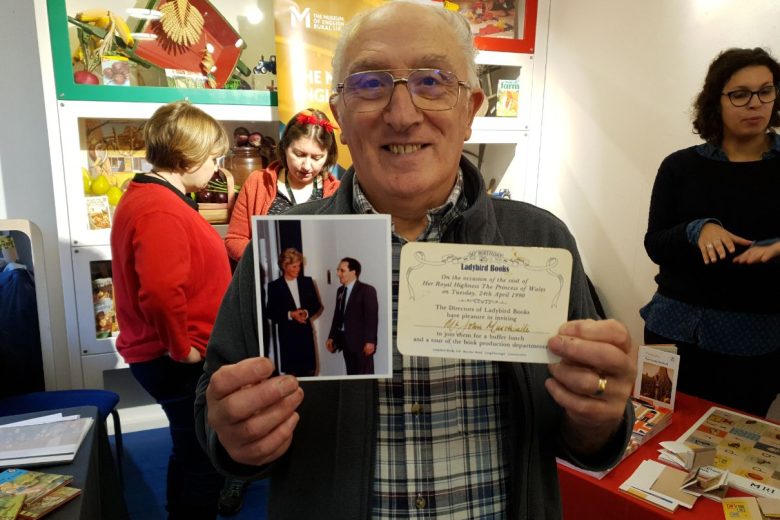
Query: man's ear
[475, 100]
[334, 108]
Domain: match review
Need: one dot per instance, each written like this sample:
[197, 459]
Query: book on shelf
[508, 98]
[49, 503]
[32, 484]
[42, 440]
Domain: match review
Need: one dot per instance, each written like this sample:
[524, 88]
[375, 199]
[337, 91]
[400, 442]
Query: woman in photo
[305, 154]
[292, 303]
[714, 231]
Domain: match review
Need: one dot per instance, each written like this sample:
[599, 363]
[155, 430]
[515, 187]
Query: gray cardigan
[327, 472]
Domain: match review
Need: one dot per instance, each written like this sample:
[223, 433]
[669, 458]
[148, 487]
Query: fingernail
[287, 384]
[555, 343]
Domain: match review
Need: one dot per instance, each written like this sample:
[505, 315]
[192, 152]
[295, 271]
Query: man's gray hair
[456, 21]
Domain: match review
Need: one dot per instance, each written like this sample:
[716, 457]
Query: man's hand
[253, 414]
[593, 380]
[330, 346]
[715, 242]
[369, 349]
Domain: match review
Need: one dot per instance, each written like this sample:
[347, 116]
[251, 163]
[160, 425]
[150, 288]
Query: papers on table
[44, 440]
[660, 485]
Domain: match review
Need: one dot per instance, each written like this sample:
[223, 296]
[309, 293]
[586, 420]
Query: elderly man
[442, 438]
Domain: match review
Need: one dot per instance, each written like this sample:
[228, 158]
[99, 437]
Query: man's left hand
[369, 349]
[593, 380]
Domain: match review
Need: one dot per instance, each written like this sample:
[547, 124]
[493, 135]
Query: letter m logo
[297, 17]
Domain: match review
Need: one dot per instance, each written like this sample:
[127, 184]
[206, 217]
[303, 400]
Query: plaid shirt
[441, 447]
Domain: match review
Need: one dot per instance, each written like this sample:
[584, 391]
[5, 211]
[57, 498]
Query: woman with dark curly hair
[714, 231]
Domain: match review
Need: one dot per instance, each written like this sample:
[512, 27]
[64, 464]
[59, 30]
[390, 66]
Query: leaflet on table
[657, 371]
[747, 447]
[42, 443]
[498, 303]
[660, 485]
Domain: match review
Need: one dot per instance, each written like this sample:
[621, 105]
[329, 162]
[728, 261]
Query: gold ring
[602, 386]
[710, 246]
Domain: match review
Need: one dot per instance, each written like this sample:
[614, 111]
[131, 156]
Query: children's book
[508, 93]
[10, 506]
[29, 444]
[32, 484]
[48, 503]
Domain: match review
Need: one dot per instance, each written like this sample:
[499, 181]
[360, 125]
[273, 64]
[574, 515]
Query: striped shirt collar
[439, 218]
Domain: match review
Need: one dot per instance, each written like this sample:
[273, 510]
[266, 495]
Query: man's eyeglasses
[430, 89]
[219, 162]
[743, 96]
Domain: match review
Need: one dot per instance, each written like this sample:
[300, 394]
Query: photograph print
[324, 295]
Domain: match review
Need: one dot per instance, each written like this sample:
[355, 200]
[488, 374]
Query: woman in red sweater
[170, 272]
[306, 152]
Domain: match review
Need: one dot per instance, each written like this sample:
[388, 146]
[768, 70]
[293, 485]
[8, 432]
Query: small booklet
[708, 482]
[508, 93]
[42, 442]
[32, 484]
[659, 485]
[742, 508]
[657, 371]
[49, 502]
[687, 456]
[10, 506]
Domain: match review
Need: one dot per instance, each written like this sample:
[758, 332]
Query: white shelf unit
[506, 148]
[81, 247]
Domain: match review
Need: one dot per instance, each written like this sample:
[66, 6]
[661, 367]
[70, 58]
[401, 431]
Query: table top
[584, 496]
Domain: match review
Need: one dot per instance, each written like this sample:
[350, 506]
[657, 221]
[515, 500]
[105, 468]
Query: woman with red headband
[305, 153]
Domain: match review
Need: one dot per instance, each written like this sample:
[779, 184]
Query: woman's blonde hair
[289, 256]
[179, 137]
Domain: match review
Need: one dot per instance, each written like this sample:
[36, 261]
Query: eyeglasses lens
[430, 89]
[740, 98]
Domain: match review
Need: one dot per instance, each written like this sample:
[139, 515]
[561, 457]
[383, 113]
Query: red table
[587, 498]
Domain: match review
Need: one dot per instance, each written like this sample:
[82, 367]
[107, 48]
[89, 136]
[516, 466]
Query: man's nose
[401, 112]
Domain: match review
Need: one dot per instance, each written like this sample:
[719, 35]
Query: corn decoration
[93, 49]
[207, 66]
[181, 22]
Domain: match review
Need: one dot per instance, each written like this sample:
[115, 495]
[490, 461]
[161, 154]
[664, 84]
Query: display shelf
[68, 89]
[77, 117]
[496, 66]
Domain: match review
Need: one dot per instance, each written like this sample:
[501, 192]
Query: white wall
[621, 76]
[26, 190]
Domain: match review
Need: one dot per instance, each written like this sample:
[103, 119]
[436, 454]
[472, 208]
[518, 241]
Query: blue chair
[104, 400]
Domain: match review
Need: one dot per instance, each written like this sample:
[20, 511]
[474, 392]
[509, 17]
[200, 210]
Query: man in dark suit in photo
[292, 303]
[355, 320]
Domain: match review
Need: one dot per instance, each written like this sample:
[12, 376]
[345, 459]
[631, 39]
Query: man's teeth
[400, 149]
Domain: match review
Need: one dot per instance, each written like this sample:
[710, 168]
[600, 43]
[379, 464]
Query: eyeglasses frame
[752, 93]
[340, 88]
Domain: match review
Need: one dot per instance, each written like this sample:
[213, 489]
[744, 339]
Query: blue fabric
[716, 153]
[733, 333]
[21, 366]
[104, 400]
